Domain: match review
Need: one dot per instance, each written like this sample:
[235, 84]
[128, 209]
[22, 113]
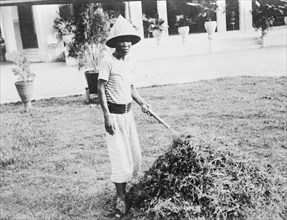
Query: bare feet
[121, 205]
[121, 197]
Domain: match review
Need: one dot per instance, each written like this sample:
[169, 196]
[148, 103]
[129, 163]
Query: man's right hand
[109, 125]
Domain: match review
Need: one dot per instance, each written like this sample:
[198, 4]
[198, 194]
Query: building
[27, 25]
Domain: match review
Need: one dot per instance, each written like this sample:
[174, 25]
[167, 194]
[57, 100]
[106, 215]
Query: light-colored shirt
[119, 75]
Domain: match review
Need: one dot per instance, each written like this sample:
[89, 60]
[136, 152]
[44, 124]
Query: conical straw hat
[122, 28]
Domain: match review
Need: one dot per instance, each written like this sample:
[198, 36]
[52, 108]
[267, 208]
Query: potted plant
[283, 9]
[206, 9]
[182, 25]
[65, 32]
[25, 80]
[156, 26]
[89, 46]
[65, 29]
[264, 18]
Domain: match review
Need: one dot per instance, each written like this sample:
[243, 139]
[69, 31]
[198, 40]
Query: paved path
[269, 61]
[231, 54]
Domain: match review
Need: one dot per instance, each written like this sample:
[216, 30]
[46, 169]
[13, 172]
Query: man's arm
[138, 99]
[109, 124]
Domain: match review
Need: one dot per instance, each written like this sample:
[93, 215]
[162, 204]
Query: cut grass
[195, 179]
[54, 163]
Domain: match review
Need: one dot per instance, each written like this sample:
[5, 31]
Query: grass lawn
[55, 165]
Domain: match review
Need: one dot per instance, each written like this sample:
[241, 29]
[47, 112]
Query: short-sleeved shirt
[119, 75]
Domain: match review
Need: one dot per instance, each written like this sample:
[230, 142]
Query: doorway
[27, 27]
[232, 15]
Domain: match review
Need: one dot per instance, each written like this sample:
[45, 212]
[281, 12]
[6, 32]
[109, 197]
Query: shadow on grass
[53, 101]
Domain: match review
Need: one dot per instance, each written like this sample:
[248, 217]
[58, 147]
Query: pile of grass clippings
[195, 180]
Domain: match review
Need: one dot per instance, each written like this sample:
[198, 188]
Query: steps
[33, 55]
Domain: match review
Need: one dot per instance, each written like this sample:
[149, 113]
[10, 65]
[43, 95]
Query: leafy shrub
[195, 180]
[182, 22]
[283, 7]
[205, 9]
[64, 27]
[22, 69]
[154, 23]
[91, 34]
[264, 16]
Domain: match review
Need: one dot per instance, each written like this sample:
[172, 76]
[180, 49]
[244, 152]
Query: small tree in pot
[25, 80]
[89, 44]
[264, 18]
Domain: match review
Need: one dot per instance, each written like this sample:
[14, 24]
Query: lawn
[54, 163]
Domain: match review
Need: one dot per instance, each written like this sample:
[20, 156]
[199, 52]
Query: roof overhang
[58, 2]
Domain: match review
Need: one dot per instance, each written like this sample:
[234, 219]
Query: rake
[160, 120]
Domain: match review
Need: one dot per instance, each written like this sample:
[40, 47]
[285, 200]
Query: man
[116, 91]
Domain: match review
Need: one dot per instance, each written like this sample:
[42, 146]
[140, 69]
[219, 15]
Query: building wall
[8, 32]
[221, 16]
[133, 13]
[44, 15]
[245, 15]
[162, 12]
[16, 25]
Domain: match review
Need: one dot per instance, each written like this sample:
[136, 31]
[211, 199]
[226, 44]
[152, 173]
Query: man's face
[123, 46]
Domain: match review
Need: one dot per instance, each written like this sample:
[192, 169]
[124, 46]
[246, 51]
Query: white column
[221, 16]
[245, 15]
[8, 32]
[133, 12]
[17, 30]
[40, 32]
[44, 16]
[162, 11]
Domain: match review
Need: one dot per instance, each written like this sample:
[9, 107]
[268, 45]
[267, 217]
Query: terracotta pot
[210, 27]
[25, 91]
[183, 32]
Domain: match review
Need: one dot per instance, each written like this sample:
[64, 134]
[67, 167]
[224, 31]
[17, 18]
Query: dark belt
[119, 108]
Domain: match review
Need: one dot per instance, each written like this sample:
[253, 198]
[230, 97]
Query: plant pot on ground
[92, 81]
[25, 81]
[89, 60]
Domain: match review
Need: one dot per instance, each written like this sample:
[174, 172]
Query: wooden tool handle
[174, 133]
[160, 119]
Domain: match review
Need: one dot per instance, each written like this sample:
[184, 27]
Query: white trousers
[124, 149]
